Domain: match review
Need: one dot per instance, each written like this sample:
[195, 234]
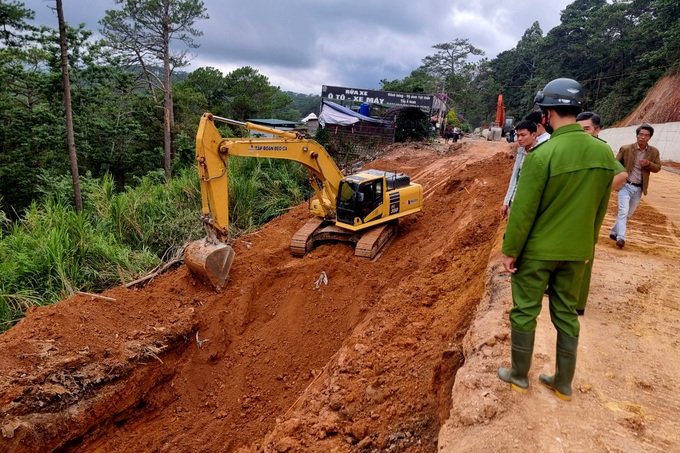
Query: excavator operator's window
[372, 191]
[372, 197]
[347, 191]
[369, 194]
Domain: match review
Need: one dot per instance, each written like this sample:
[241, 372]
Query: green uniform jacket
[561, 198]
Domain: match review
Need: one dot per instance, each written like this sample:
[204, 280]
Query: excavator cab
[359, 200]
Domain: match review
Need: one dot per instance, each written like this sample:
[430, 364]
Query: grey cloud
[303, 44]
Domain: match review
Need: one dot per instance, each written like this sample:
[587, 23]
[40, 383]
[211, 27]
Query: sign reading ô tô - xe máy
[376, 97]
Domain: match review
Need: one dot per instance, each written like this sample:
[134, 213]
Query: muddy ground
[628, 367]
[281, 362]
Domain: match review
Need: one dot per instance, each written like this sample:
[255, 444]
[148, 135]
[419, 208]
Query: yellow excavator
[362, 208]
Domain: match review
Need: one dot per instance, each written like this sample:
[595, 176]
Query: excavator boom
[500, 111]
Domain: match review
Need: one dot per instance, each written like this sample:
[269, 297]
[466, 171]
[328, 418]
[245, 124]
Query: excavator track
[375, 239]
[303, 240]
[368, 243]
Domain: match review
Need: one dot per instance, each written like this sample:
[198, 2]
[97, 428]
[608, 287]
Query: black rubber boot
[565, 366]
[522, 348]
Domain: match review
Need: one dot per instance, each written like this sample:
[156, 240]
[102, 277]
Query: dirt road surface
[628, 366]
[398, 354]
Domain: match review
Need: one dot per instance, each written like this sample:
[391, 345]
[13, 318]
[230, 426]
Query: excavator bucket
[209, 262]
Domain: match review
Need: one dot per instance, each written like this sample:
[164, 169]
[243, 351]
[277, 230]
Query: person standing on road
[448, 134]
[640, 159]
[509, 131]
[541, 133]
[591, 124]
[552, 229]
[526, 137]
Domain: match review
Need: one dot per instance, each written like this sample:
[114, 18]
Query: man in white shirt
[525, 134]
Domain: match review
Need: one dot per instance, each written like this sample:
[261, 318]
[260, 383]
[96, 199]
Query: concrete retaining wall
[666, 138]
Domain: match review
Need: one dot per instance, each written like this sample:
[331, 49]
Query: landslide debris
[274, 362]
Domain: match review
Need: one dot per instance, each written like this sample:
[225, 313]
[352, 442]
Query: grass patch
[53, 252]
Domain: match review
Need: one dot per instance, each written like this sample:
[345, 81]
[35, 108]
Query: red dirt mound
[661, 105]
[279, 361]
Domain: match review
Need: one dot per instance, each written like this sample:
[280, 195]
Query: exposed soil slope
[395, 355]
[661, 104]
[276, 362]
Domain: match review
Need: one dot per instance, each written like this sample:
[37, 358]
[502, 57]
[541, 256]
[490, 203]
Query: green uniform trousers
[528, 285]
[585, 286]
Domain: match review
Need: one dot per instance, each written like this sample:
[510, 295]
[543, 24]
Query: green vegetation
[616, 50]
[452, 119]
[261, 189]
[412, 124]
[52, 252]
[136, 214]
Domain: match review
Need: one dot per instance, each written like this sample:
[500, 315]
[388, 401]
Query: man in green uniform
[559, 207]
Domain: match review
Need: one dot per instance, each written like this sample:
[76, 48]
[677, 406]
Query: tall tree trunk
[167, 120]
[69, 111]
[167, 100]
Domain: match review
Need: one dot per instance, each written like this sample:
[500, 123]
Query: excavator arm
[500, 112]
[212, 152]
[211, 258]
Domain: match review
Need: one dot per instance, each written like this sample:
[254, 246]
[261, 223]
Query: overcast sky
[301, 45]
